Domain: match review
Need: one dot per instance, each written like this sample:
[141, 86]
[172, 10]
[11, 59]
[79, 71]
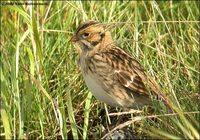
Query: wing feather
[127, 71]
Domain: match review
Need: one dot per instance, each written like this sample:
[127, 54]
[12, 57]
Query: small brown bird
[111, 74]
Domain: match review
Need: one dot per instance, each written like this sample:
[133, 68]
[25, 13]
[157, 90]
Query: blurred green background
[43, 95]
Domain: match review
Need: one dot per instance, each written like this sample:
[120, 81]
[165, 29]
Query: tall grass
[43, 94]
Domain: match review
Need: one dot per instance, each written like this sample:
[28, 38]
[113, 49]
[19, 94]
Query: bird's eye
[85, 35]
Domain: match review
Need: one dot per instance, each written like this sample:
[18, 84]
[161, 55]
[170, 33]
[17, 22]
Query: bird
[112, 74]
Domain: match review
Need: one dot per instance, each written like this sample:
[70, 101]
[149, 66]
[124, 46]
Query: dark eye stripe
[94, 43]
[85, 25]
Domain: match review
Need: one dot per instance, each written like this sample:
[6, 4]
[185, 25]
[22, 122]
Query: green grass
[43, 94]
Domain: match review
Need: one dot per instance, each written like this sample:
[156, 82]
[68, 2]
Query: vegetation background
[43, 95]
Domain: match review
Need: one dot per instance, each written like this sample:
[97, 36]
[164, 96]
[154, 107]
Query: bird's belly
[96, 88]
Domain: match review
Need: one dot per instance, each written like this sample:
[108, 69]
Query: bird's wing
[130, 73]
[127, 71]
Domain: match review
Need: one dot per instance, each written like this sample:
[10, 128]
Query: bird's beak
[74, 39]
